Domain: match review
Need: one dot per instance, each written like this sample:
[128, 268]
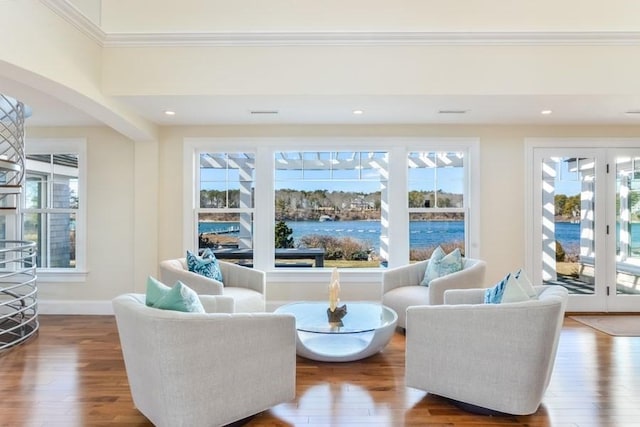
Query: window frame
[464, 209]
[264, 214]
[53, 146]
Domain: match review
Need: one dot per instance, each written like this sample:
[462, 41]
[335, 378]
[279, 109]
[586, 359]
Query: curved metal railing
[12, 155]
[18, 292]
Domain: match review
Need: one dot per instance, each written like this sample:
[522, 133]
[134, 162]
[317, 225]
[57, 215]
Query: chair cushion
[400, 298]
[207, 265]
[245, 300]
[441, 264]
[179, 297]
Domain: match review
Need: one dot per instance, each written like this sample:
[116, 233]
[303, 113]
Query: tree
[283, 235]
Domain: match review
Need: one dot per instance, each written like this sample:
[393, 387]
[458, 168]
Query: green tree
[283, 235]
[416, 199]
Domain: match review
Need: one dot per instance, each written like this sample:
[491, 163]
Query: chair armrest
[406, 275]
[464, 296]
[217, 303]
[242, 277]
[471, 276]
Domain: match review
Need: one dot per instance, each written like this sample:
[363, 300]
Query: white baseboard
[75, 307]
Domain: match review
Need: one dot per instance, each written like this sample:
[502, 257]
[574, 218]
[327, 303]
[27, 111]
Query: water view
[423, 234]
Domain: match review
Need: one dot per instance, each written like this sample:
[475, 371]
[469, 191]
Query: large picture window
[297, 204]
[52, 214]
[331, 201]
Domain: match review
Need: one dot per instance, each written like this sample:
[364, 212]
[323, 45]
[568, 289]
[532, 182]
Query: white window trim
[264, 148]
[66, 146]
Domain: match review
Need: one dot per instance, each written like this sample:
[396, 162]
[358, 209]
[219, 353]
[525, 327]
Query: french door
[584, 217]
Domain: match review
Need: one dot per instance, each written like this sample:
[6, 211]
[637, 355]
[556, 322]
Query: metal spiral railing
[18, 292]
[12, 156]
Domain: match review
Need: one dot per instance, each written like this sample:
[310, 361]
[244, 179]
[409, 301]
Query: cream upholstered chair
[245, 285]
[401, 285]
[486, 357]
[205, 369]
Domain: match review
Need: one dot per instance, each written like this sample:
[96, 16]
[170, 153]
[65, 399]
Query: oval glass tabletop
[360, 317]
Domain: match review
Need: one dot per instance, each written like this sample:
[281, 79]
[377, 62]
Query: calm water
[422, 233]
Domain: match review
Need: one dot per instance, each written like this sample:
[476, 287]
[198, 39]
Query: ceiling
[418, 109]
[47, 110]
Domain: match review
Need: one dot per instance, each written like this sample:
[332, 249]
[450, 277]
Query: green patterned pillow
[179, 297]
[442, 265]
[207, 265]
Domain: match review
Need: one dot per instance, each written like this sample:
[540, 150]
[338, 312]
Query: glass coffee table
[365, 330]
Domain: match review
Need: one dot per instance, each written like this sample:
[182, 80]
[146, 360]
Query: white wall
[501, 208]
[135, 189]
[111, 256]
[135, 206]
[369, 15]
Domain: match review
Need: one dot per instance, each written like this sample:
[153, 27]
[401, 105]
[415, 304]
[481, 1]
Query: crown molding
[76, 18]
[373, 39]
[72, 15]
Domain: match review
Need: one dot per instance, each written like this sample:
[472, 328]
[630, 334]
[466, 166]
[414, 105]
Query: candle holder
[335, 316]
[335, 313]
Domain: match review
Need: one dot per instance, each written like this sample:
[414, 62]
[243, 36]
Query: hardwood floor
[72, 374]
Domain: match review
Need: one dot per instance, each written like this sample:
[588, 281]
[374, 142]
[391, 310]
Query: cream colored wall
[49, 54]
[111, 258]
[369, 15]
[501, 174]
[372, 70]
[135, 205]
[135, 195]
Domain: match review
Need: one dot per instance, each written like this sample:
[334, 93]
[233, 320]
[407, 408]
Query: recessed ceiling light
[170, 113]
[358, 112]
[452, 111]
[546, 112]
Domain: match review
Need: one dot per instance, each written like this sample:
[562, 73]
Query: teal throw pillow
[179, 297]
[441, 265]
[155, 291]
[207, 265]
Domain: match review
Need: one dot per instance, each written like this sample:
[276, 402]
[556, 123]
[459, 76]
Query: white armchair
[245, 285]
[401, 285]
[205, 369]
[486, 357]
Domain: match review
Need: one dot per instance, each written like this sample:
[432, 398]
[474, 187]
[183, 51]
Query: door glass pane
[628, 225]
[568, 221]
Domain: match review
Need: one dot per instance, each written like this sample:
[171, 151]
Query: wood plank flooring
[72, 374]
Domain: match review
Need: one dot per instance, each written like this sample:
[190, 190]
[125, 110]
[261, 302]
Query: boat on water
[324, 218]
